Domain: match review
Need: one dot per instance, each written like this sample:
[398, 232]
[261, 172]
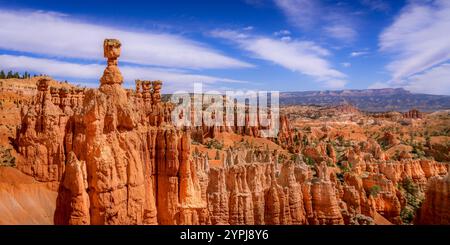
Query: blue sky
[284, 45]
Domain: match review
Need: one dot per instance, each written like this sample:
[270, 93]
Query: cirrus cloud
[417, 38]
[304, 57]
[58, 35]
[333, 20]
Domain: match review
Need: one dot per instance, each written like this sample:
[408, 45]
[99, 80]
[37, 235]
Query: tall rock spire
[111, 75]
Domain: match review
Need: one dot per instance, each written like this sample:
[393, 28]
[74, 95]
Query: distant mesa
[371, 100]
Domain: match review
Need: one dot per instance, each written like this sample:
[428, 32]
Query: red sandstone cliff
[436, 207]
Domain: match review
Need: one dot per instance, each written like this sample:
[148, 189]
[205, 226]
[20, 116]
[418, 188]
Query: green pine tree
[10, 74]
[2, 74]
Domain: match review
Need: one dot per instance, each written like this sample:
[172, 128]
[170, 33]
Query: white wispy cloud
[418, 38]
[301, 13]
[341, 32]
[300, 56]
[282, 33]
[358, 53]
[58, 35]
[333, 20]
[286, 39]
[432, 81]
[177, 79]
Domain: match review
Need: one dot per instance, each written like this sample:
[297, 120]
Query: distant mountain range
[373, 100]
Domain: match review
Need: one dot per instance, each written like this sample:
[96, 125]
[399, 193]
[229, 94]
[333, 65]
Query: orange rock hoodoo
[112, 157]
[115, 158]
[413, 114]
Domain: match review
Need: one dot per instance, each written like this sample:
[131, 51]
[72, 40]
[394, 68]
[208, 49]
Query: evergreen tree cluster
[11, 74]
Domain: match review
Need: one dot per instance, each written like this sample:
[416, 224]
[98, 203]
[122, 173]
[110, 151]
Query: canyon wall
[436, 207]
